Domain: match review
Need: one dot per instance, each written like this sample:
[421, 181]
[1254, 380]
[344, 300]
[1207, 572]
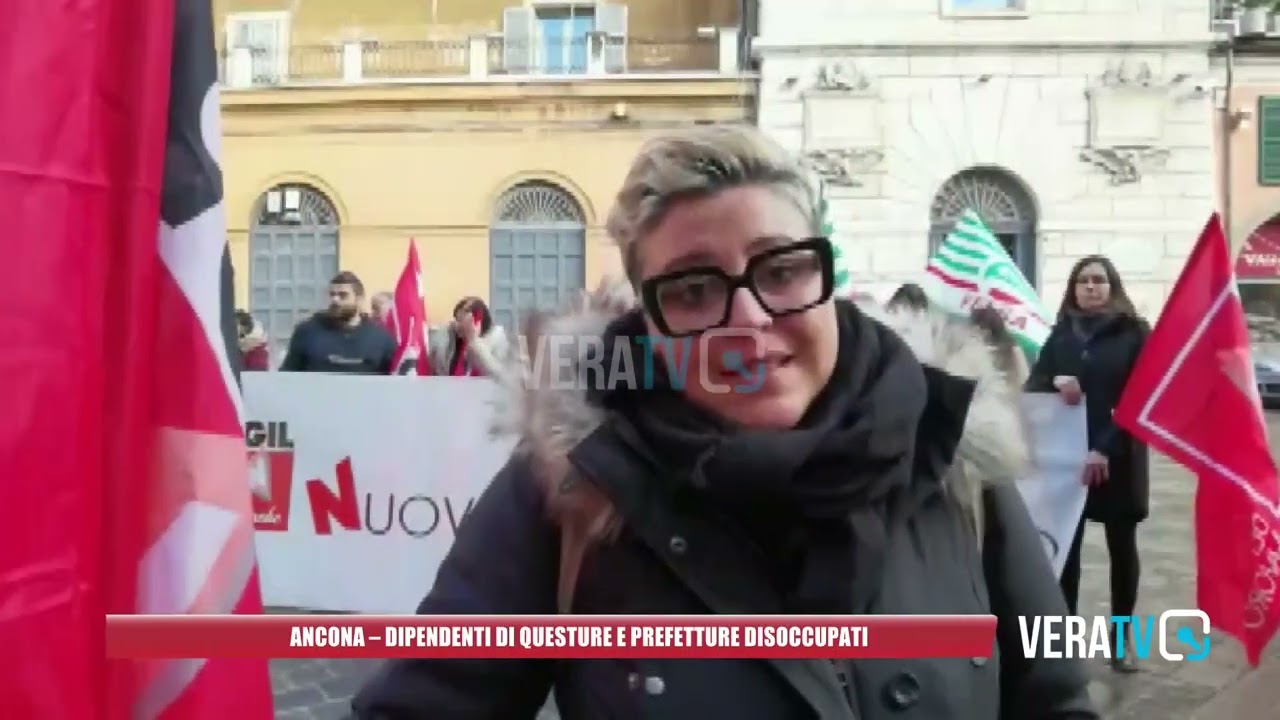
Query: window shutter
[1269, 140]
[611, 19]
[517, 40]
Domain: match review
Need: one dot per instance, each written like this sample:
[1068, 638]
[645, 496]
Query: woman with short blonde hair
[793, 455]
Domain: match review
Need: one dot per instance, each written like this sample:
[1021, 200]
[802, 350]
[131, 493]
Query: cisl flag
[971, 266]
[407, 320]
[125, 486]
[1192, 396]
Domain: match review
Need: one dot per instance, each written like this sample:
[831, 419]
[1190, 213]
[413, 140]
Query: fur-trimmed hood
[551, 420]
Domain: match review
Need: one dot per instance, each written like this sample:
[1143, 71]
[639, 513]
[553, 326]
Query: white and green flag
[971, 266]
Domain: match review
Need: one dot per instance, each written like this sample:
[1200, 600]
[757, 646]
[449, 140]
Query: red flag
[1193, 397]
[183, 524]
[407, 319]
[77, 180]
[126, 486]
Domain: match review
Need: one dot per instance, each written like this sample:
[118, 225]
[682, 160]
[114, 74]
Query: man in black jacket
[341, 339]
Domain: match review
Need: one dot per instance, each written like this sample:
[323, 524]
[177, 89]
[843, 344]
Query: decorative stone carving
[1127, 115]
[832, 76]
[842, 166]
[1125, 165]
[1129, 74]
[842, 76]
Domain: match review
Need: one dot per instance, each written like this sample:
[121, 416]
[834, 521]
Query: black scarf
[814, 499]
[1085, 326]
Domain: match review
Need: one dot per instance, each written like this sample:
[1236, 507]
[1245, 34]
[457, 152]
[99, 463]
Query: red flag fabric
[187, 546]
[126, 483]
[407, 320]
[1192, 396]
[80, 153]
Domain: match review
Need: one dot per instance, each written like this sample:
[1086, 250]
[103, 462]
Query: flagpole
[1226, 120]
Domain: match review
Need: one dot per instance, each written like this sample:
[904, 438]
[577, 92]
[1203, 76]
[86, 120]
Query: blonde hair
[696, 163]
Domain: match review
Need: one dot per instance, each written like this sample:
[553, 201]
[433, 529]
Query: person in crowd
[254, 353]
[827, 490]
[1010, 358]
[910, 296]
[341, 339]
[380, 307]
[474, 345]
[1088, 357]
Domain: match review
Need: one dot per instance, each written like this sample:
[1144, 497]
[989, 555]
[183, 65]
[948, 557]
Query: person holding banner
[793, 456]
[1088, 357]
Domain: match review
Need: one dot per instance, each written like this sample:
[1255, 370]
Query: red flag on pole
[185, 536]
[126, 485]
[1192, 396]
[407, 320]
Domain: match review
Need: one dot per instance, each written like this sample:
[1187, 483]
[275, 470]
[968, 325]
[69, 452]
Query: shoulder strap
[573, 547]
[585, 517]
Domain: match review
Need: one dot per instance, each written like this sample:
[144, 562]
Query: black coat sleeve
[1020, 582]
[295, 359]
[504, 561]
[1045, 367]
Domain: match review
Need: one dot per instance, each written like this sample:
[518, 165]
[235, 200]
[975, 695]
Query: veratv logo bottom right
[1178, 635]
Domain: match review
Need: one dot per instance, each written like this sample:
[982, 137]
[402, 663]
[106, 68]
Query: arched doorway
[1001, 201]
[537, 244]
[293, 252]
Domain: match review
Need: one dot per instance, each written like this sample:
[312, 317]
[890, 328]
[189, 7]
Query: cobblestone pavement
[321, 689]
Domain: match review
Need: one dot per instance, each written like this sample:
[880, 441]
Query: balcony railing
[481, 57]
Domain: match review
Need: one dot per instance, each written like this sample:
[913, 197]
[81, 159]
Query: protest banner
[367, 479]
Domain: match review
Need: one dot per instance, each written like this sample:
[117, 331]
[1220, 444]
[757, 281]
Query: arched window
[539, 203]
[537, 245]
[293, 251]
[1001, 201]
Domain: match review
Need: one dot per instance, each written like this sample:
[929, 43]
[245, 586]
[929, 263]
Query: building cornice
[1006, 43]
[629, 88]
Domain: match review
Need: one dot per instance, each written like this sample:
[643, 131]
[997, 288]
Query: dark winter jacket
[1101, 360]
[661, 548]
[321, 345]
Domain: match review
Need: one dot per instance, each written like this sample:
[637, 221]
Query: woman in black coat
[791, 455]
[1088, 356]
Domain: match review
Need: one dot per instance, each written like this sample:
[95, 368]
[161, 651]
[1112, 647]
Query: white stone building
[1072, 126]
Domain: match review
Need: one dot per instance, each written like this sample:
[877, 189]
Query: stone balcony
[487, 57]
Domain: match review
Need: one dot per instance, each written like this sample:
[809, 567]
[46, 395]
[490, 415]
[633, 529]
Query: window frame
[539, 59]
[282, 19]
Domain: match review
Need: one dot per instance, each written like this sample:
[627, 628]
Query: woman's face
[755, 371]
[1093, 289]
[466, 316]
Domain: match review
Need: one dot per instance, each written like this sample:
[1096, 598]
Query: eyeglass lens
[781, 282]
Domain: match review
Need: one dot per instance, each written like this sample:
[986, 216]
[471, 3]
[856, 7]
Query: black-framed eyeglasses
[785, 280]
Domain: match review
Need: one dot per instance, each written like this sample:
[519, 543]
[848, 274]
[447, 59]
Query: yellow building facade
[493, 134]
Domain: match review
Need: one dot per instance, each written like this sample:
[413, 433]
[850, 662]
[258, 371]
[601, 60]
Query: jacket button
[633, 681]
[655, 685]
[678, 544]
[902, 692]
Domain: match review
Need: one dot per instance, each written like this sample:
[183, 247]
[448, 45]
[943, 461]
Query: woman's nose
[746, 311]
